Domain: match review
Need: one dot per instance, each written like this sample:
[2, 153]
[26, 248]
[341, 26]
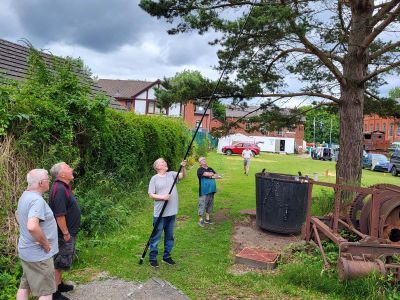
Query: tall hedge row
[129, 144]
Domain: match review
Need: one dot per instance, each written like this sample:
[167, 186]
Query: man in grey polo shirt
[38, 239]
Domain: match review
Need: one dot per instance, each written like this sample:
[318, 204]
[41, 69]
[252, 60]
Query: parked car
[239, 147]
[322, 153]
[376, 162]
[394, 146]
[395, 163]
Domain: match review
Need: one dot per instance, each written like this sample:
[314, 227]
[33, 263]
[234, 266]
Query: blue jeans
[167, 225]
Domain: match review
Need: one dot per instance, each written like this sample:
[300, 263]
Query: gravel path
[116, 289]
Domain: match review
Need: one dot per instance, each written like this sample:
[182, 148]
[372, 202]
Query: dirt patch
[248, 234]
[239, 269]
[182, 218]
[221, 215]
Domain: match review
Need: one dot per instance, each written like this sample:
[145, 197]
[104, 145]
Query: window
[128, 104]
[365, 127]
[280, 132]
[152, 107]
[398, 129]
[391, 129]
[197, 124]
[371, 127]
[384, 127]
[198, 109]
[291, 128]
[248, 125]
[377, 127]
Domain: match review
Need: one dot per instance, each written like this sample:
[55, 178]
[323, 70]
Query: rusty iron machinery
[350, 267]
[388, 197]
[374, 216]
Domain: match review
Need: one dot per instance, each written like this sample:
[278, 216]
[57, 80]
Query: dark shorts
[246, 162]
[63, 259]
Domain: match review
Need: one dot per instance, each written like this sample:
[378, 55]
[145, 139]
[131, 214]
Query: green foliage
[105, 204]
[324, 118]
[10, 272]
[218, 110]
[184, 86]
[394, 93]
[54, 113]
[129, 145]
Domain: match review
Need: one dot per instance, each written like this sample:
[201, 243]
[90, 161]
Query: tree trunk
[349, 166]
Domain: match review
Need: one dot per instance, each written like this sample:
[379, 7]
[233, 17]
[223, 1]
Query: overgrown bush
[55, 116]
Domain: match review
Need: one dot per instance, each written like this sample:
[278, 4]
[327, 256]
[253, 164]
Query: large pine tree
[340, 50]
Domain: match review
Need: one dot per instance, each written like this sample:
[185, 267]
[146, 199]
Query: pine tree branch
[321, 55]
[310, 94]
[378, 30]
[380, 71]
[379, 52]
[386, 7]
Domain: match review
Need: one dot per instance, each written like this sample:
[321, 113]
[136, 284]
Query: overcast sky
[116, 39]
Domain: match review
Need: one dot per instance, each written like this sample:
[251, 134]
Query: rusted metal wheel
[355, 207]
[359, 212]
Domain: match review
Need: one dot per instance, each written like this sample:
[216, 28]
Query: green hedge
[129, 144]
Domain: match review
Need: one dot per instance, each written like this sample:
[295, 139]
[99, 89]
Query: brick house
[192, 114]
[233, 115]
[139, 96]
[14, 65]
[389, 126]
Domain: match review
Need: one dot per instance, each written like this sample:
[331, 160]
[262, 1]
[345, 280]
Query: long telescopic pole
[194, 135]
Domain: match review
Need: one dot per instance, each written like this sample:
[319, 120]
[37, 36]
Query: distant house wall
[192, 115]
[390, 126]
[175, 110]
[140, 107]
[140, 97]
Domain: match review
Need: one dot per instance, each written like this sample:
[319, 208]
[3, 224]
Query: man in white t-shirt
[247, 155]
[158, 190]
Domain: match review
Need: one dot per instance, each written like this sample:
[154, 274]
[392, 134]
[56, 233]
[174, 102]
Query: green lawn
[204, 255]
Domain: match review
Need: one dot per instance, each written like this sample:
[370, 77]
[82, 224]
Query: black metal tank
[281, 202]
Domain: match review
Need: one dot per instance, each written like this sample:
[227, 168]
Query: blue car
[376, 162]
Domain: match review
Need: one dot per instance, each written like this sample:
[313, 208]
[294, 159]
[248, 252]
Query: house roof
[125, 88]
[232, 112]
[250, 111]
[14, 65]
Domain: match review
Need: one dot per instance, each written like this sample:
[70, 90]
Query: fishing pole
[195, 133]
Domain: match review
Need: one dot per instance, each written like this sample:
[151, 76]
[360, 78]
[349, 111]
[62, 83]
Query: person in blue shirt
[207, 189]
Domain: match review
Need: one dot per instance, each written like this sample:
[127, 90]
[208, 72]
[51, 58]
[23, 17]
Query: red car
[239, 147]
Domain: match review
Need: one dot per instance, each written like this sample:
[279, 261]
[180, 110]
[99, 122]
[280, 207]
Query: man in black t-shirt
[207, 189]
[67, 212]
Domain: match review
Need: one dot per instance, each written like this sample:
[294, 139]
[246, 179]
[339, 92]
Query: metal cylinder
[350, 269]
[281, 202]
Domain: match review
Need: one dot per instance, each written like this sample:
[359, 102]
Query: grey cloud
[97, 24]
[189, 48]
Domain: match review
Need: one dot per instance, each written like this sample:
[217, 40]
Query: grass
[204, 255]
